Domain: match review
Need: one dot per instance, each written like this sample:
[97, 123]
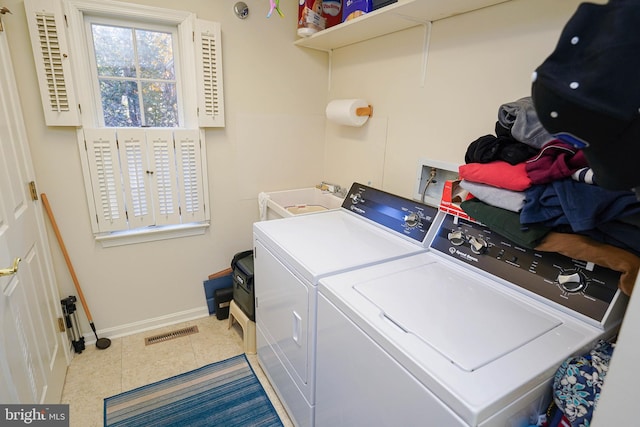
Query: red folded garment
[498, 173]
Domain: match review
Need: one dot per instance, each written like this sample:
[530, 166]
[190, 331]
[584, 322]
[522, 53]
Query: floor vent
[171, 335]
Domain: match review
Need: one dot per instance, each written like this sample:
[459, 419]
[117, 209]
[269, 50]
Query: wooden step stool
[248, 327]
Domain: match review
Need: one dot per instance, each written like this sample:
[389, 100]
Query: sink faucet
[332, 188]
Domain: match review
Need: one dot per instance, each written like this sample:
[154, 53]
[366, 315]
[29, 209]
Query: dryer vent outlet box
[431, 176]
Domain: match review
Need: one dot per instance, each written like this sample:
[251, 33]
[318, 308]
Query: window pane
[161, 104]
[155, 54]
[114, 51]
[136, 73]
[120, 103]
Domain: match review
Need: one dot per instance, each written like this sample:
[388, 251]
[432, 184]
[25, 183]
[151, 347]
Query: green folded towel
[505, 223]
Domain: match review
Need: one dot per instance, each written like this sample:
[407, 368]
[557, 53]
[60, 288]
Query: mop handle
[56, 230]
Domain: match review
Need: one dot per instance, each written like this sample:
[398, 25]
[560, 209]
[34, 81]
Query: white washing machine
[469, 333]
[292, 254]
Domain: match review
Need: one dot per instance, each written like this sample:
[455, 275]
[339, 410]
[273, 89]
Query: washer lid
[468, 323]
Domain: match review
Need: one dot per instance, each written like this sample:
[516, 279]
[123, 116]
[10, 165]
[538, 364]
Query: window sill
[151, 234]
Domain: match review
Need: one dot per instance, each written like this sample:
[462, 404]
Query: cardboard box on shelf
[352, 9]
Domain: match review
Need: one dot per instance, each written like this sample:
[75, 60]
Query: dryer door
[282, 312]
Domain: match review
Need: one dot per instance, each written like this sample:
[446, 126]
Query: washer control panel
[580, 286]
[404, 216]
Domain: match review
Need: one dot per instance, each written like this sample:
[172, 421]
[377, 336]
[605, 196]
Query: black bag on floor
[243, 289]
[222, 298]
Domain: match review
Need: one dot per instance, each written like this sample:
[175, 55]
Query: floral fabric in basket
[578, 382]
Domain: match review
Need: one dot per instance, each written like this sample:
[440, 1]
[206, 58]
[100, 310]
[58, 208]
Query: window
[139, 83]
[136, 72]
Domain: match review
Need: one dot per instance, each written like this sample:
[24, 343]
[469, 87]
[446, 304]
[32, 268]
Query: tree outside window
[136, 76]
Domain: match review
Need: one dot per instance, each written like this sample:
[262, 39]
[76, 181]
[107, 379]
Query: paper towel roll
[344, 112]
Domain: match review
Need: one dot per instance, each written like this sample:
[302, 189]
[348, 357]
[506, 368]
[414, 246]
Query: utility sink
[281, 204]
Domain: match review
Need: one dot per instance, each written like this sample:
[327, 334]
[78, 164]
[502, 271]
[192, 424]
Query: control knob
[412, 219]
[456, 237]
[357, 198]
[572, 280]
[478, 245]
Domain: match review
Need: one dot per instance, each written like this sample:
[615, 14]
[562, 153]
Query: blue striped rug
[225, 393]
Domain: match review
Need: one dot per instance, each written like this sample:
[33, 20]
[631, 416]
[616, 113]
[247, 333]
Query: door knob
[11, 270]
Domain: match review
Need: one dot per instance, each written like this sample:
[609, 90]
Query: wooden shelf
[395, 17]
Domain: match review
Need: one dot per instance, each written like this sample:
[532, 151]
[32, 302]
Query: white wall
[274, 139]
[476, 62]
[275, 97]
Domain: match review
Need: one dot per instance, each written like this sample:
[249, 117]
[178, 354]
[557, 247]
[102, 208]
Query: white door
[33, 356]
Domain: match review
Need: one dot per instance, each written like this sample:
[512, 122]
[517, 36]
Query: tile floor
[128, 363]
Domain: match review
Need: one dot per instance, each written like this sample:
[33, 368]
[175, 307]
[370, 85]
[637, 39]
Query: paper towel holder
[364, 111]
[349, 112]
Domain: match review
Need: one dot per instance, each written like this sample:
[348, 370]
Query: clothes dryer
[292, 254]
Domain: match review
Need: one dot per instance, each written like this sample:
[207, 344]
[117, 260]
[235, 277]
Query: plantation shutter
[190, 163]
[104, 167]
[162, 162]
[49, 43]
[145, 177]
[136, 176]
[209, 74]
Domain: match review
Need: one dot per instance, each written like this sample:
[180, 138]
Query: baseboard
[148, 324]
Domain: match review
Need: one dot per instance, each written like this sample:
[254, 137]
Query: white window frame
[202, 97]
[76, 10]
